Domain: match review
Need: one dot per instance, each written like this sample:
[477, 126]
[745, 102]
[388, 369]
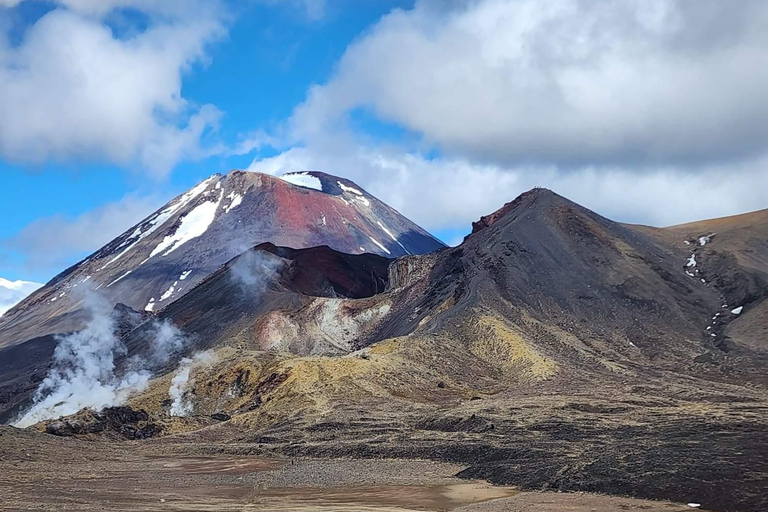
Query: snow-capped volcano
[13, 292]
[158, 260]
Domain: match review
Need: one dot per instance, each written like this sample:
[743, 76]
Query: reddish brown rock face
[157, 261]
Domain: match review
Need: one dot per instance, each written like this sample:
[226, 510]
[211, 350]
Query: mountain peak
[164, 256]
[536, 198]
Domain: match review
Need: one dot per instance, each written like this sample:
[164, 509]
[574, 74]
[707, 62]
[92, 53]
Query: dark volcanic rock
[125, 422]
[155, 262]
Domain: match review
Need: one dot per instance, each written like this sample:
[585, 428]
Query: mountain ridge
[553, 349]
[168, 253]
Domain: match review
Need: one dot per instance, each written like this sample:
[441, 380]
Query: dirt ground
[39, 472]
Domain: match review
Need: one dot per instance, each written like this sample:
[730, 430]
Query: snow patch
[158, 220]
[360, 197]
[184, 275]
[349, 189]
[691, 261]
[738, 310]
[151, 306]
[303, 179]
[120, 278]
[380, 245]
[193, 225]
[169, 292]
[393, 237]
[704, 240]
[235, 201]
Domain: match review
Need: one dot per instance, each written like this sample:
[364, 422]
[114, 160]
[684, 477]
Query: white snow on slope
[158, 220]
[169, 292]
[303, 179]
[13, 292]
[120, 278]
[388, 232]
[393, 237]
[360, 197]
[184, 275]
[193, 225]
[738, 310]
[345, 188]
[379, 244]
[691, 261]
[235, 200]
[704, 240]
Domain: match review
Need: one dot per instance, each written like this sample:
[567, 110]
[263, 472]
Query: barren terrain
[45, 473]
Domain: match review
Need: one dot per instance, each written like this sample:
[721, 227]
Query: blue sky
[444, 109]
[256, 76]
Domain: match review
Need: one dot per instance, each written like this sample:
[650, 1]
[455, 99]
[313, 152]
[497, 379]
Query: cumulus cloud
[75, 89]
[443, 193]
[563, 81]
[647, 111]
[50, 243]
[13, 292]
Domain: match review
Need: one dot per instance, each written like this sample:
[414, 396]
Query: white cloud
[50, 243]
[448, 192]
[104, 7]
[312, 9]
[74, 89]
[13, 292]
[649, 111]
[562, 81]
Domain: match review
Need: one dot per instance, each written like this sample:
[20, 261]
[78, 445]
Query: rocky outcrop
[121, 422]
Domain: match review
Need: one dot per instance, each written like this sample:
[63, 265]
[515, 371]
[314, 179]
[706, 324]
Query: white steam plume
[83, 373]
[167, 340]
[181, 405]
[253, 270]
